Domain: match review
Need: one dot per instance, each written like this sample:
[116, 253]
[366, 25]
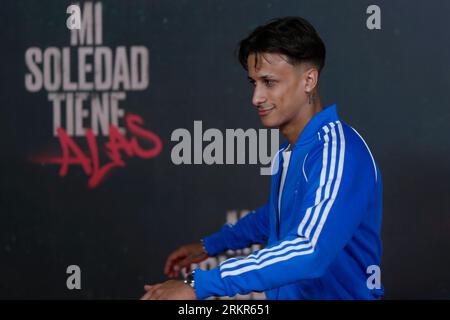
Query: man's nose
[258, 97]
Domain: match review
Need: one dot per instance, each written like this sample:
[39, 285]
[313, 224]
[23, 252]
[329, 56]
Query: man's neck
[293, 130]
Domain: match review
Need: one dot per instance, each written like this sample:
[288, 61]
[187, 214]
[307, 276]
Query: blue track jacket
[327, 233]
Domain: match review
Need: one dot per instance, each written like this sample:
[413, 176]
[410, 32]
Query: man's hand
[183, 257]
[169, 290]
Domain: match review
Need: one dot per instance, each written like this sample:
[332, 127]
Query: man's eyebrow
[264, 76]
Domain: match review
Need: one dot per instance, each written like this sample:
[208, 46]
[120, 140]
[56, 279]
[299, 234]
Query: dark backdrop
[390, 84]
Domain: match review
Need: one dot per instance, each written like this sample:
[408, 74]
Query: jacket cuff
[215, 243]
[208, 283]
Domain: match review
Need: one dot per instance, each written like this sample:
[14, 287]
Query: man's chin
[267, 123]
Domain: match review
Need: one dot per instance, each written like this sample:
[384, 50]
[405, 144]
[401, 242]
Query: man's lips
[265, 111]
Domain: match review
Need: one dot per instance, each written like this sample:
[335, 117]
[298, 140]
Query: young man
[322, 220]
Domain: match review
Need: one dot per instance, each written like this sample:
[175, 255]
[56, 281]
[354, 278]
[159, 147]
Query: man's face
[279, 92]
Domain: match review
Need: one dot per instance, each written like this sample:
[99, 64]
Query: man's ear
[311, 79]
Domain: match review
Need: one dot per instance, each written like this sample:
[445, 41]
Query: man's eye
[252, 82]
[269, 83]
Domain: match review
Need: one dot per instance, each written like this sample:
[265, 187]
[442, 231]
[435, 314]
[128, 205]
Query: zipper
[280, 194]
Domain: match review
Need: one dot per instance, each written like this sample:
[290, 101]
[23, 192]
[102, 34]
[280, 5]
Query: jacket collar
[321, 118]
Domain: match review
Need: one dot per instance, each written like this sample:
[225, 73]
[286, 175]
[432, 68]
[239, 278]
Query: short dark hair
[292, 36]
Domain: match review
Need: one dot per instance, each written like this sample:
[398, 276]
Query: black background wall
[390, 84]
